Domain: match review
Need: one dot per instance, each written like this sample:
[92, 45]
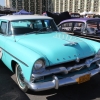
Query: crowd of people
[88, 16]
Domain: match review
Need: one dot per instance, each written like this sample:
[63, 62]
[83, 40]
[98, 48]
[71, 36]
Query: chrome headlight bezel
[39, 65]
[97, 54]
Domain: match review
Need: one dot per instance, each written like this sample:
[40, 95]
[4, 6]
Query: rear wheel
[20, 78]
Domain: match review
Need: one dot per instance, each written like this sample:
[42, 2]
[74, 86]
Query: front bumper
[56, 82]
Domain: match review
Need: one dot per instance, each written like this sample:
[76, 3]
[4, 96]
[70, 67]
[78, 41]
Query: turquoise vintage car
[42, 57]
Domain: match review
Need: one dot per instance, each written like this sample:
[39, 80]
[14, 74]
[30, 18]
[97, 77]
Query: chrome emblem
[77, 59]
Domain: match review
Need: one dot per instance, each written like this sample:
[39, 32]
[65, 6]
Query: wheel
[20, 78]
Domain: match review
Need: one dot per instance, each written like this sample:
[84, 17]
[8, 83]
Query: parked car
[81, 26]
[42, 57]
[75, 15]
[96, 16]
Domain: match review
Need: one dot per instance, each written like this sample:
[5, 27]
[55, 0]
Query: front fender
[24, 56]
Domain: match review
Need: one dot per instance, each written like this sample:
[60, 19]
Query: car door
[66, 27]
[3, 31]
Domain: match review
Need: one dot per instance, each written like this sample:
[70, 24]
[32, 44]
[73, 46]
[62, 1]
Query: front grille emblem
[77, 59]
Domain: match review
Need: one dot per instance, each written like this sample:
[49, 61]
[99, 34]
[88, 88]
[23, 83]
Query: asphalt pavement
[10, 91]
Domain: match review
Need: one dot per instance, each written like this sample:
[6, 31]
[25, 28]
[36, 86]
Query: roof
[79, 19]
[21, 17]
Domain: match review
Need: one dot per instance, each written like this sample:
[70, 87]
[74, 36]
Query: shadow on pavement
[8, 88]
[86, 91]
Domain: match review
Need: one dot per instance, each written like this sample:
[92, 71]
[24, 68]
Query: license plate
[83, 78]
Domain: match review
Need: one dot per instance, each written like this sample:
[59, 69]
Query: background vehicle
[75, 15]
[81, 26]
[96, 16]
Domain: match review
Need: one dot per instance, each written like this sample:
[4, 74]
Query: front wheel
[20, 78]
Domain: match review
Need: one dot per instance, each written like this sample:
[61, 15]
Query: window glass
[91, 27]
[27, 26]
[3, 27]
[79, 26]
[67, 26]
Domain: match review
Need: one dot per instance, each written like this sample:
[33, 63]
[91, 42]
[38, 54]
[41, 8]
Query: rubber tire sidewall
[23, 89]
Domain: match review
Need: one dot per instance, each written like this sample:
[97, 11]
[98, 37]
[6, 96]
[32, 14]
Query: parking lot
[10, 91]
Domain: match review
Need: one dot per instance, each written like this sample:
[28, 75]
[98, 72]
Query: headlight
[39, 67]
[39, 64]
[98, 54]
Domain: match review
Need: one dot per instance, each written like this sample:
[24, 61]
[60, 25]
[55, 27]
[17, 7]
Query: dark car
[96, 16]
[81, 26]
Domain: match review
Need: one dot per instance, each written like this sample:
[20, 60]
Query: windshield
[31, 26]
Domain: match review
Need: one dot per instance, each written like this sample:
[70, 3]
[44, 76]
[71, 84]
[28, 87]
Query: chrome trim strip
[55, 83]
[63, 69]
[52, 71]
[16, 58]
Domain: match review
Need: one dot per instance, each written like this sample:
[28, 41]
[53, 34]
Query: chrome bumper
[56, 83]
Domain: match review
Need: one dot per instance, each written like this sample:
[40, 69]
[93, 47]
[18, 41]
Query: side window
[92, 24]
[79, 26]
[92, 27]
[3, 27]
[66, 27]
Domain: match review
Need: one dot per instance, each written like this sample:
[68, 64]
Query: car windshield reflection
[32, 26]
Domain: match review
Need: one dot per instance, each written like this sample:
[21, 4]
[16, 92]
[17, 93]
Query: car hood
[57, 47]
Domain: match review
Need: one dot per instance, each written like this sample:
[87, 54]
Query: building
[77, 5]
[40, 6]
[6, 10]
[34, 6]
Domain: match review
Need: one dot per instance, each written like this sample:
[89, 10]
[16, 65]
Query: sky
[2, 2]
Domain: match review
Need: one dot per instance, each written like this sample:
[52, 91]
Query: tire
[20, 78]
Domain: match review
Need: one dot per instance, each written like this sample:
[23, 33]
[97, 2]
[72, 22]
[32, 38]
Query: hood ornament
[77, 59]
[70, 43]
